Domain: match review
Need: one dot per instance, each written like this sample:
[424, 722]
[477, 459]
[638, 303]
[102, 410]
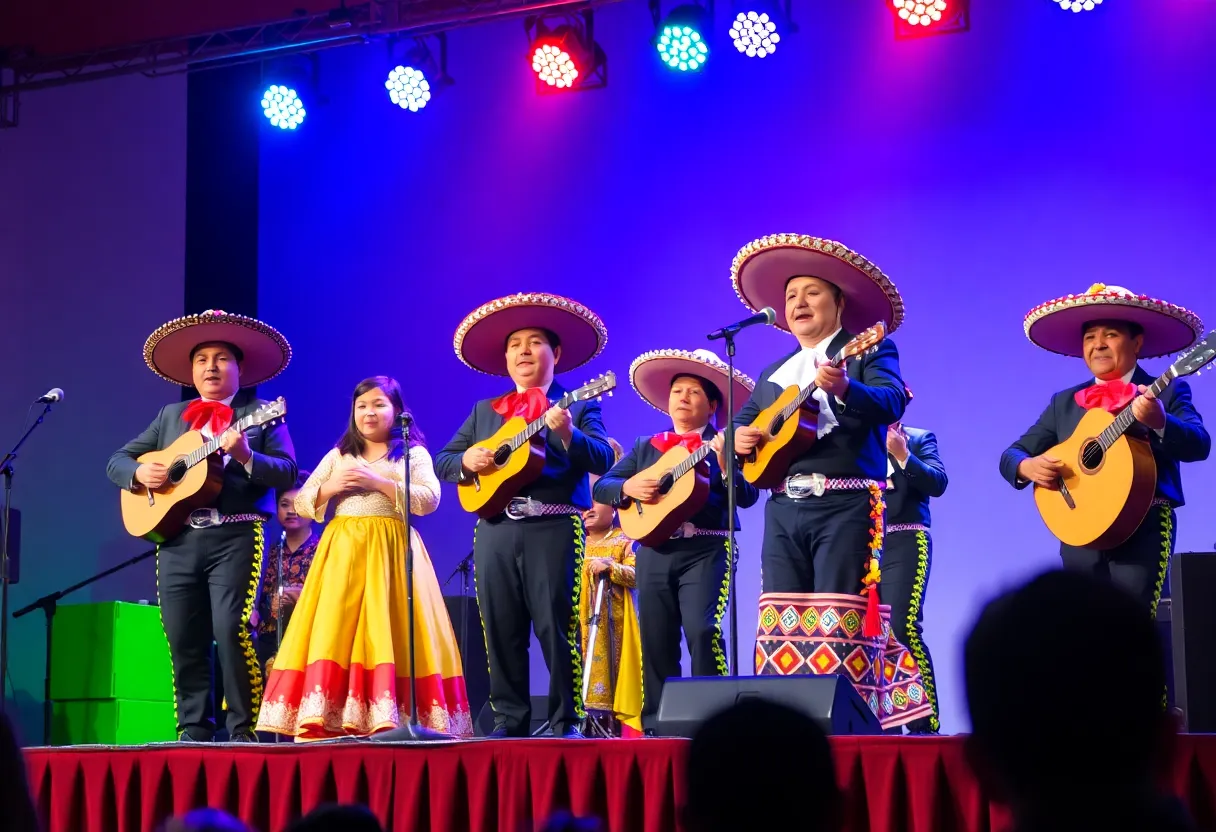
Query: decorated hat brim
[265, 352]
[762, 269]
[651, 376]
[1058, 326]
[481, 339]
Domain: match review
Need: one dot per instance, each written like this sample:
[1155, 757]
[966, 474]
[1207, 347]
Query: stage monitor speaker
[832, 701]
[1192, 624]
[466, 625]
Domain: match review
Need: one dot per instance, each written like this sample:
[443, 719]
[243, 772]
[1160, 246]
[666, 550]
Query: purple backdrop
[92, 229]
[985, 172]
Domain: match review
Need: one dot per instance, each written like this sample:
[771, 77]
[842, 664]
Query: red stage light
[920, 12]
[554, 65]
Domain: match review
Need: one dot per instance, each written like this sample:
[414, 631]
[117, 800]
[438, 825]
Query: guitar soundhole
[777, 424]
[1092, 455]
[177, 471]
[502, 455]
[665, 483]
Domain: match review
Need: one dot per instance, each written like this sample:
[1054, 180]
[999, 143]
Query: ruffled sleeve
[306, 500]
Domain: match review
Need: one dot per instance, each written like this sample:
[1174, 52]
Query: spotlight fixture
[416, 76]
[563, 53]
[1079, 5]
[292, 83]
[283, 107]
[680, 37]
[757, 26]
[922, 18]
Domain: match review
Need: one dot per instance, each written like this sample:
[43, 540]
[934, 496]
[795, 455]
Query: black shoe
[244, 736]
[194, 735]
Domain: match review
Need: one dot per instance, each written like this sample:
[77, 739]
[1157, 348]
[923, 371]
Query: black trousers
[528, 574]
[207, 580]
[684, 586]
[819, 544]
[1140, 565]
[907, 557]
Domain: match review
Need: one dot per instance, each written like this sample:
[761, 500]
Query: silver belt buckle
[519, 508]
[205, 518]
[816, 485]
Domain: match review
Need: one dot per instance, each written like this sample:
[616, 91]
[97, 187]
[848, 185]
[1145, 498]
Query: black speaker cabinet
[832, 701]
[466, 623]
[1192, 625]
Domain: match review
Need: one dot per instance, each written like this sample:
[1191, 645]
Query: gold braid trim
[573, 633]
[485, 638]
[723, 597]
[913, 637]
[1167, 551]
[251, 654]
[177, 727]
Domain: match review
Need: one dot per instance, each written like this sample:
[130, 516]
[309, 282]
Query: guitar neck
[1126, 418]
[213, 445]
[808, 391]
[534, 427]
[692, 461]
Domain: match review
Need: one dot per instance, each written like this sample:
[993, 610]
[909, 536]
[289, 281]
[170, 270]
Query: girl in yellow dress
[344, 663]
[614, 664]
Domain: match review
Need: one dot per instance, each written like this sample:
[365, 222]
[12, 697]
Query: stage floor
[900, 784]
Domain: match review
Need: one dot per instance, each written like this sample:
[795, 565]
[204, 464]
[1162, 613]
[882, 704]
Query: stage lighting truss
[681, 36]
[923, 18]
[416, 75]
[1078, 5]
[563, 53]
[288, 90]
[758, 26]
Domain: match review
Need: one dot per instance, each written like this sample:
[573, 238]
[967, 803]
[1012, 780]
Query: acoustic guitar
[196, 475]
[683, 489]
[789, 427]
[1109, 478]
[519, 455]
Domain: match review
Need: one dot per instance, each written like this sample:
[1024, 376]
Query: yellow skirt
[343, 666]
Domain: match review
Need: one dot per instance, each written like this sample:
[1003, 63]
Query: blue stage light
[408, 88]
[283, 107]
[754, 34]
[682, 47]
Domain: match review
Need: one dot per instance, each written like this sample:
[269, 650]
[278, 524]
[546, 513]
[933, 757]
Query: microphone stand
[6, 468]
[464, 567]
[48, 604]
[731, 467]
[412, 730]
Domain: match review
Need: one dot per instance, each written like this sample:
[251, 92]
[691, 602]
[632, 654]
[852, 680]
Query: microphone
[55, 394]
[765, 316]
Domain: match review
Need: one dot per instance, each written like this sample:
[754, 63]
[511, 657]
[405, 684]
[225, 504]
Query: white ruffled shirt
[800, 369]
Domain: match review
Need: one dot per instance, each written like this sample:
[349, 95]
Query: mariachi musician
[528, 558]
[1111, 329]
[685, 581]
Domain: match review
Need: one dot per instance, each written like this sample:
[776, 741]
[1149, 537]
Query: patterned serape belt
[1161, 501]
[524, 507]
[689, 530]
[205, 518]
[907, 527]
[801, 486]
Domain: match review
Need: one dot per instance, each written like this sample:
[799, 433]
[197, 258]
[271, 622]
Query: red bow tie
[1112, 396]
[202, 413]
[665, 441]
[531, 404]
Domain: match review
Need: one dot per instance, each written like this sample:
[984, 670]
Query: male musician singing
[1111, 329]
[915, 475]
[207, 575]
[528, 559]
[683, 582]
[818, 524]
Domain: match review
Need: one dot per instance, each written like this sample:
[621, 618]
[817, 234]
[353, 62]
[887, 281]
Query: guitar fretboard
[199, 454]
[533, 428]
[1126, 419]
[691, 461]
[808, 391]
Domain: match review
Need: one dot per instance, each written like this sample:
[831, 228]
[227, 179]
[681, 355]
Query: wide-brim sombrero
[481, 338]
[1057, 325]
[762, 268]
[266, 352]
[651, 374]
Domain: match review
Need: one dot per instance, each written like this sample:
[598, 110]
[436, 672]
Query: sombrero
[481, 338]
[168, 350]
[763, 267]
[651, 374]
[1057, 325]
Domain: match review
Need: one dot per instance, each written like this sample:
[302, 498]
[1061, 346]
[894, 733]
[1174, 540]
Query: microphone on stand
[55, 394]
[765, 316]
